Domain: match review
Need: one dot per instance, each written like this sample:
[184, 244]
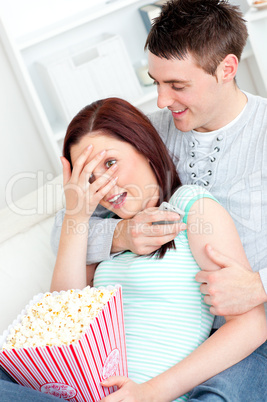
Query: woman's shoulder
[186, 195]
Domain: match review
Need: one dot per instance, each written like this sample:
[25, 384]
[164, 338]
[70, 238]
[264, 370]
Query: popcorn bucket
[74, 372]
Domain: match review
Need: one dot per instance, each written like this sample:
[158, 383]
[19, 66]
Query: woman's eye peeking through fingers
[110, 163]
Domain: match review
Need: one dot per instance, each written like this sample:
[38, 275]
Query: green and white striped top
[164, 312]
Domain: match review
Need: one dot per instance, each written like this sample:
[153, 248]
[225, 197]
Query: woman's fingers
[105, 189]
[104, 179]
[90, 167]
[82, 172]
[80, 163]
[66, 170]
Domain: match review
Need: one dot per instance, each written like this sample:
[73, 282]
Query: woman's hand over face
[83, 197]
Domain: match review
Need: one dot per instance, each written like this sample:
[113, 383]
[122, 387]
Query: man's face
[195, 98]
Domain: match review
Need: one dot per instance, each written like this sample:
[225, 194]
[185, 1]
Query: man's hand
[128, 391]
[234, 289]
[141, 236]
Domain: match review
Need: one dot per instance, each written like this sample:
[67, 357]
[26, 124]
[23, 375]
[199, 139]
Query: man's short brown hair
[207, 29]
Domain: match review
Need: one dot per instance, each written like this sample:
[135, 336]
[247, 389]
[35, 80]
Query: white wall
[243, 4]
[21, 151]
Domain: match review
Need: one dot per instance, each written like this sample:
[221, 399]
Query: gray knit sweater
[231, 163]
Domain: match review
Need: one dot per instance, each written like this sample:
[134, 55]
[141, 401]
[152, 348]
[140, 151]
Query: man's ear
[229, 67]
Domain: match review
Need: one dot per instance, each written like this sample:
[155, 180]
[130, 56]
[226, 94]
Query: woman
[114, 156]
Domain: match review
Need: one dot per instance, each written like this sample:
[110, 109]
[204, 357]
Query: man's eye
[110, 163]
[178, 88]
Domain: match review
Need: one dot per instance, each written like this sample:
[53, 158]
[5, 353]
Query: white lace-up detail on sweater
[200, 160]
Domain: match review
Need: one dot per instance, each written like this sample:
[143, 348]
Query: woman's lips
[117, 201]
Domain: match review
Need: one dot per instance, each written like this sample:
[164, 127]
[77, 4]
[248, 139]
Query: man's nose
[164, 98]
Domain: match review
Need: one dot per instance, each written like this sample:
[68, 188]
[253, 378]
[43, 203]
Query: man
[217, 136]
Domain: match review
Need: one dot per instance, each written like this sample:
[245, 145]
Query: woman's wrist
[76, 224]
[152, 392]
[160, 388]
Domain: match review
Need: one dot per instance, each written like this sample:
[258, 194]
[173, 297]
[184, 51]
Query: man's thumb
[218, 258]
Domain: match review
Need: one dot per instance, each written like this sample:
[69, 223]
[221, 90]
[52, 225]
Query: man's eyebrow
[170, 81]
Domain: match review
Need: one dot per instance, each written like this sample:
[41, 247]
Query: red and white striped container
[74, 372]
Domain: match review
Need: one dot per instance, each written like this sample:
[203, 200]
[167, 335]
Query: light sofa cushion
[26, 257]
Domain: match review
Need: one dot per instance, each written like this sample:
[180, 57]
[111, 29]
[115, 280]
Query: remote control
[165, 206]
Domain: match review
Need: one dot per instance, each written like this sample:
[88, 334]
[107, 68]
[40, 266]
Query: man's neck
[238, 103]
[234, 101]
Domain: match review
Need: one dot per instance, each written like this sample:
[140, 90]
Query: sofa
[26, 257]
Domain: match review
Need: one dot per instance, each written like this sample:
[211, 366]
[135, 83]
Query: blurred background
[56, 56]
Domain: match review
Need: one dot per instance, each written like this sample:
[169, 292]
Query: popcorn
[58, 319]
[65, 344]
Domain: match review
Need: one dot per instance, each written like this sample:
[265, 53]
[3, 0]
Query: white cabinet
[25, 50]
